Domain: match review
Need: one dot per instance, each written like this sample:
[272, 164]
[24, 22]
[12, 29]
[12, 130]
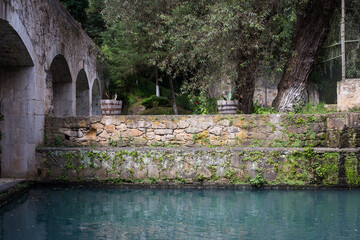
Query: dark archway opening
[82, 95]
[96, 97]
[16, 97]
[60, 84]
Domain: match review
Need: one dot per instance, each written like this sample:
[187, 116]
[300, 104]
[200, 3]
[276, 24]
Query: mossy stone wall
[338, 130]
[272, 166]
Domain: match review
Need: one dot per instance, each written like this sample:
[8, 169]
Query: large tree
[211, 40]
[313, 25]
[138, 25]
[95, 24]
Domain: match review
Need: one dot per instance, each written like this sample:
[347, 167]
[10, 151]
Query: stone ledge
[11, 188]
[205, 149]
[176, 185]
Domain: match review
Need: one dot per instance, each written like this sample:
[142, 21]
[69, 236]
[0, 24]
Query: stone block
[110, 128]
[140, 174]
[150, 135]
[275, 119]
[121, 127]
[101, 174]
[139, 141]
[238, 122]
[171, 125]
[192, 130]
[335, 123]
[91, 135]
[183, 124]
[170, 137]
[353, 120]
[215, 130]
[134, 133]
[297, 129]
[153, 171]
[97, 126]
[163, 131]
[87, 173]
[204, 171]
[231, 143]
[157, 125]
[83, 123]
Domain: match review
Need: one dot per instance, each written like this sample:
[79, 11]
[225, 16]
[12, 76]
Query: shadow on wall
[96, 97]
[82, 94]
[16, 84]
[59, 81]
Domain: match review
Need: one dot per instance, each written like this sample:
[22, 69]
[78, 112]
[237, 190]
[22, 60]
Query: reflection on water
[60, 213]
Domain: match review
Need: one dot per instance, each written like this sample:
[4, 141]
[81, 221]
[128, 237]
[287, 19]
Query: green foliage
[203, 105]
[155, 101]
[212, 40]
[185, 102]
[77, 9]
[351, 170]
[310, 109]
[258, 181]
[58, 142]
[131, 42]
[257, 109]
[230, 174]
[112, 142]
[95, 24]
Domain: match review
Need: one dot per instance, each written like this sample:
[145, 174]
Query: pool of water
[94, 213]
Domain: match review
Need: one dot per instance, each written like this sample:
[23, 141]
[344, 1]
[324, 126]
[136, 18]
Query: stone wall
[276, 130]
[348, 94]
[256, 166]
[43, 50]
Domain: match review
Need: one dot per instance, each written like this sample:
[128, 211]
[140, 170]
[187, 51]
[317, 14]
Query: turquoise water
[83, 213]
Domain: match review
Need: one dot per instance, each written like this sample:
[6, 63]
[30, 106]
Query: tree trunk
[173, 96]
[157, 81]
[313, 25]
[245, 81]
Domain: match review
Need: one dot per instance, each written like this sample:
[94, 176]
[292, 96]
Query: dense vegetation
[186, 50]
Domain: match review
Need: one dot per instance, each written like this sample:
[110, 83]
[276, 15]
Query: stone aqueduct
[48, 66]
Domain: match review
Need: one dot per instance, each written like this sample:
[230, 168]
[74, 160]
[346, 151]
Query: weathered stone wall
[275, 130]
[257, 166]
[34, 34]
[348, 94]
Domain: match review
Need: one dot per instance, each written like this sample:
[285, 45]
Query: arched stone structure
[17, 75]
[82, 94]
[43, 52]
[60, 83]
[96, 97]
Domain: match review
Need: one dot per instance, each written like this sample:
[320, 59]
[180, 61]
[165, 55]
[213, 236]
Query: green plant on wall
[351, 170]
[58, 142]
[258, 181]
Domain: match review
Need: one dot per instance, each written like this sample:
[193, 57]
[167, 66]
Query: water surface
[94, 213]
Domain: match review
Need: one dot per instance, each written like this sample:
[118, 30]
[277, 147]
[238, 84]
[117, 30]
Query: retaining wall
[338, 130]
[274, 166]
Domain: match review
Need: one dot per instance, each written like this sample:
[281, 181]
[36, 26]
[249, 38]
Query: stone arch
[13, 51]
[59, 84]
[82, 94]
[96, 97]
[17, 84]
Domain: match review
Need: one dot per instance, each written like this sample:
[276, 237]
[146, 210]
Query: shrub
[184, 101]
[154, 101]
[258, 181]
